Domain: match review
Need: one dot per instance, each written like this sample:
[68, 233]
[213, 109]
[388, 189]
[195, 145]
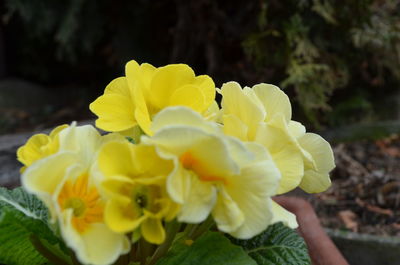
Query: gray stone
[23, 95]
[367, 249]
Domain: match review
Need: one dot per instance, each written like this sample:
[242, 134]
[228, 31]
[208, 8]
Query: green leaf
[210, 249]
[277, 245]
[23, 220]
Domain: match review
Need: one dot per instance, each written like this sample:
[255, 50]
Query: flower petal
[166, 80]
[115, 112]
[97, 246]
[274, 100]
[153, 231]
[315, 182]
[251, 191]
[122, 217]
[116, 158]
[280, 214]
[190, 96]
[248, 109]
[227, 214]
[199, 201]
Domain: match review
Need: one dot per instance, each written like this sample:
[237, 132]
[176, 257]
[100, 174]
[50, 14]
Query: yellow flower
[39, 146]
[65, 181]
[135, 186]
[263, 114]
[215, 174]
[135, 99]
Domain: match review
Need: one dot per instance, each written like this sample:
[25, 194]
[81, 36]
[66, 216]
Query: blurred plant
[320, 44]
[312, 47]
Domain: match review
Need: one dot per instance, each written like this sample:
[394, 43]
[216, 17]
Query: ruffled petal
[274, 100]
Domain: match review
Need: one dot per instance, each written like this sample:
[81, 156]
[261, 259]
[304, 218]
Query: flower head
[134, 183]
[263, 114]
[39, 146]
[65, 181]
[145, 90]
[214, 173]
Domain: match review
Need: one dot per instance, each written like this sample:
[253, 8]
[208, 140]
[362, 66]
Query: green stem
[145, 250]
[46, 252]
[189, 230]
[204, 227]
[172, 228]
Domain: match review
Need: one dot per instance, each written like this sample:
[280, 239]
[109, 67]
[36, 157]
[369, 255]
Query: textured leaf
[22, 216]
[277, 245]
[210, 249]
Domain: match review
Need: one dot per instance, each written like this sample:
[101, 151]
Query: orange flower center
[191, 163]
[84, 202]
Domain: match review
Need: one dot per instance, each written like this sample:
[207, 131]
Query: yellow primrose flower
[65, 182]
[214, 173]
[263, 114]
[135, 186]
[39, 146]
[145, 90]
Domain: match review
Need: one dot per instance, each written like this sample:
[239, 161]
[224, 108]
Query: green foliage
[275, 246]
[320, 51]
[24, 230]
[210, 249]
[323, 45]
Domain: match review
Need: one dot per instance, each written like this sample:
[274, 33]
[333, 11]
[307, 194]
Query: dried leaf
[349, 219]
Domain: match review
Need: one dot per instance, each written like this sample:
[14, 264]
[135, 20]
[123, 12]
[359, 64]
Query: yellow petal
[274, 100]
[57, 130]
[177, 115]
[227, 214]
[118, 187]
[139, 76]
[122, 217]
[280, 214]
[166, 80]
[142, 114]
[117, 158]
[251, 191]
[315, 182]
[320, 151]
[190, 96]
[213, 113]
[153, 231]
[207, 86]
[248, 109]
[120, 87]
[199, 202]
[149, 162]
[83, 140]
[98, 245]
[178, 184]
[290, 163]
[32, 150]
[296, 129]
[115, 112]
[235, 127]
[46, 176]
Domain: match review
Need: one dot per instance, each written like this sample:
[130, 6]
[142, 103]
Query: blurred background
[338, 60]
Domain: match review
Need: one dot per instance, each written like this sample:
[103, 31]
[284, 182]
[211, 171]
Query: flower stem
[172, 229]
[201, 229]
[145, 249]
[189, 230]
[46, 252]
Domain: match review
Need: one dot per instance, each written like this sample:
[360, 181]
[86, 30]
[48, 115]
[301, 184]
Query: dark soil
[365, 192]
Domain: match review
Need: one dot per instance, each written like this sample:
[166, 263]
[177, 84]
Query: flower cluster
[173, 156]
